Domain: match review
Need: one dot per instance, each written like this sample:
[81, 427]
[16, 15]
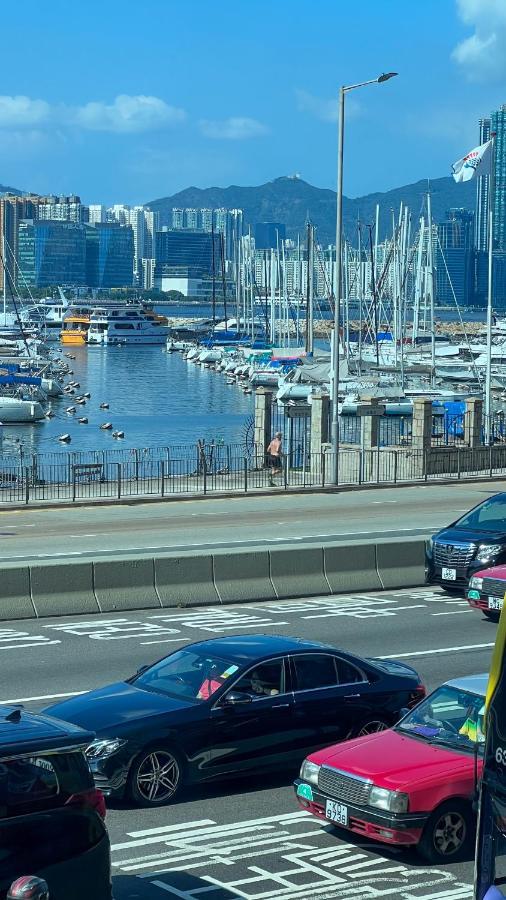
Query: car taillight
[415, 696]
[92, 799]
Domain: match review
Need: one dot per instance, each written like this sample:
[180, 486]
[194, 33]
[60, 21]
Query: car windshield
[488, 516]
[450, 716]
[187, 674]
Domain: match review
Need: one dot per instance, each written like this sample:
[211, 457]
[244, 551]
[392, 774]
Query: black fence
[216, 468]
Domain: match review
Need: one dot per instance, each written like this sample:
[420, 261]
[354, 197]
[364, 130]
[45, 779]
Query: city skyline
[128, 112]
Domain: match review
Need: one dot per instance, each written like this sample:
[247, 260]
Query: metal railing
[230, 469]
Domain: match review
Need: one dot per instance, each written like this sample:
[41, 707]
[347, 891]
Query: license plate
[336, 812]
[495, 603]
[449, 574]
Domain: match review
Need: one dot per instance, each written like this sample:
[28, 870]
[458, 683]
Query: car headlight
[309, 772]
[488, 551]
[99, 749]
[476, 583]
[393, 801]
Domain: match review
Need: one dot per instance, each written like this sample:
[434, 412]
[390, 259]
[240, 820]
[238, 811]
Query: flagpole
[490, 294]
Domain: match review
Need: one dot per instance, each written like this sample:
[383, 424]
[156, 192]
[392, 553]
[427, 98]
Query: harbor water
[155, 398]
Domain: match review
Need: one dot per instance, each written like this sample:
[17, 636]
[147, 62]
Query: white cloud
[22, 112]
[483, 54]
[236, 128]
[322, 108]
[128, 114]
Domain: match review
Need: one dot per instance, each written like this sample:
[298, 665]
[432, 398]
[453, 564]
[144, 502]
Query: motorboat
[126, 325]
[76, 325]
[15, 410]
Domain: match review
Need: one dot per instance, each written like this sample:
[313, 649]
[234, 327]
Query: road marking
[452, 612]
[44, 697]
[440, 650]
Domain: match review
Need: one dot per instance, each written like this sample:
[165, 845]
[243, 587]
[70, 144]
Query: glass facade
[269, 235]
[498, 125]
[109, 255]
[189, 250]
[51, 253]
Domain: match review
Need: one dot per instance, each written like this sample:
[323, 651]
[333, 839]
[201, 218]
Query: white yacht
[126, 325]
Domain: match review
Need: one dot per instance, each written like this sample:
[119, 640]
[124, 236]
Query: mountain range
[295, 202]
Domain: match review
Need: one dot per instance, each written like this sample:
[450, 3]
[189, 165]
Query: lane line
[439, 650]
[45, 697]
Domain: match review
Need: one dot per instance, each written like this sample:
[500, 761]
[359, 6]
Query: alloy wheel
[449, 833]
[158, 776]
[372, 727]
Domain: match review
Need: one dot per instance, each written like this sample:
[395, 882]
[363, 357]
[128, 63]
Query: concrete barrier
[351, 568]
[241, 576]
[15, 599]
[185, 580]
[298, 571]
[125, 584]
[401, 563]
[62, 589]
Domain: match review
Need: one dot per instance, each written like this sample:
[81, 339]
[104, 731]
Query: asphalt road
[42, 533]
[248, 838]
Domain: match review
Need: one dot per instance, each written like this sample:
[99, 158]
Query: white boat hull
[14, 411]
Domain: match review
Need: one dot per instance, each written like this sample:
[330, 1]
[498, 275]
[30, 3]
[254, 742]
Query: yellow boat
[76, 325]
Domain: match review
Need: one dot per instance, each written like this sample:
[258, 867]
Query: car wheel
[155, 777]
[449, 833]
[370, 726]
[492, 614]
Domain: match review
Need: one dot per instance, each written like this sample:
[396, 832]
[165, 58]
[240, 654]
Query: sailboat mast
[431, 289]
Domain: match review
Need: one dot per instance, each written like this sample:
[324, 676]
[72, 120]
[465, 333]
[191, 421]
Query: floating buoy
[118, 434]
[71, 409]
[104, 406]
[83, 421]
[81, 400]
[49, 414]
[106, 426]
[65, 438]
[87, 395]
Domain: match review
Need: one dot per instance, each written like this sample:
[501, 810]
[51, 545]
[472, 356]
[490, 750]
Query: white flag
[477, 162]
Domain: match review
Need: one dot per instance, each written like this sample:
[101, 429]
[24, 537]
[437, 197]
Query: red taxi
[413, 784]
[486, 591]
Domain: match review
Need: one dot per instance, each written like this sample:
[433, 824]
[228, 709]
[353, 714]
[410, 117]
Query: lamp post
[337, 293]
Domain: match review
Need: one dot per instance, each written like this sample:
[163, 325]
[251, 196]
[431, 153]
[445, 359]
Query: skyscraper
[12, 210]
[62, 209]
[51, 253]
[498, 126]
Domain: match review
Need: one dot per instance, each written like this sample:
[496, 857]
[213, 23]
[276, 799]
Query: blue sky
[125, 102]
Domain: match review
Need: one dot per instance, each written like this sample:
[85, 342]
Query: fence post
[424, 462]
[395, 465]
[73, 483]
[285, 471]
[205, 477]
[119, 480]
[136, 454]
[27, 484]
[458, 463]
[323, 462]
[245, 468]
[378, 464]
[162, 478]
[490, 456]
[361, 466]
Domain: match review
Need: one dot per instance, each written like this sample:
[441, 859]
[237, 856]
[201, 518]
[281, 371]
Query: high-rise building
[110, 255]
[178, 218]
[498, 126]
[144, 223]
[206, 219]
[51, 253]
[269, 235]
[189, 250]
[12, 210]
[62, 209]
[97, 212]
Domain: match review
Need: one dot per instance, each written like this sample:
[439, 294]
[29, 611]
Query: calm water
[156, 398]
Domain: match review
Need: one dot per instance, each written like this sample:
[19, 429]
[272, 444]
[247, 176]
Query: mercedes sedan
[231, 706]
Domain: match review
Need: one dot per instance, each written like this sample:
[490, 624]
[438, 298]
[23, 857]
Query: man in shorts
[274, 457]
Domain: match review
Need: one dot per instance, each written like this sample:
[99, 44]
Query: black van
[51, 815]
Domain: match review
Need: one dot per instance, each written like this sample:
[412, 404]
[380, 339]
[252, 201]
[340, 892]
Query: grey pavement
[247, 838]
[213, 523]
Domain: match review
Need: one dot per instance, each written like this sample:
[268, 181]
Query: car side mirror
[237, 698]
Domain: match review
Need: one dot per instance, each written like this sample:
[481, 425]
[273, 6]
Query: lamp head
[386, 75]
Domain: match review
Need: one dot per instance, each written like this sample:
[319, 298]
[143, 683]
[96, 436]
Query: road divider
[186, 580]
[206, 579]
[125, 584]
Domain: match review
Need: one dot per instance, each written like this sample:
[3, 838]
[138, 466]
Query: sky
[125, 103]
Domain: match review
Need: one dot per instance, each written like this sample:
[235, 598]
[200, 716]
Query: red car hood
[393, 760]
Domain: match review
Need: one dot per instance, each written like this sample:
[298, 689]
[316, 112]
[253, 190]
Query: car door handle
[280, 705]
[351, 696]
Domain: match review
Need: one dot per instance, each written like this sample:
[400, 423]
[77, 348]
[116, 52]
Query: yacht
[126, 325]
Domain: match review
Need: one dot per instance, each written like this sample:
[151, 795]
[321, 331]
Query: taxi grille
[455, 556]
[343, 787]
[494, 587]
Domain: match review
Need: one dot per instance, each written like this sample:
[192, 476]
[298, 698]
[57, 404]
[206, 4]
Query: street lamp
[337, 295]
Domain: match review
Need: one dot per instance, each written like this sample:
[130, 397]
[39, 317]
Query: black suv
[51, 815]
[475, 541]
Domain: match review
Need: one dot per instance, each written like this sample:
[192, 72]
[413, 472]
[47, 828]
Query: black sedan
[230, 706]
[475, 541]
